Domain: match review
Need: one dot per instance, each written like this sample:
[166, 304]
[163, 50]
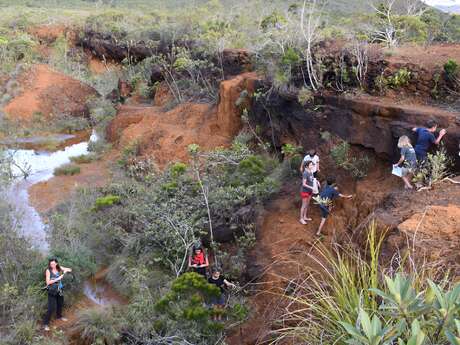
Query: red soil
[48, 33]
[46, 195]
[50, 93]
[97, 66]
[166, 135]
[436, 231]
[427, 57]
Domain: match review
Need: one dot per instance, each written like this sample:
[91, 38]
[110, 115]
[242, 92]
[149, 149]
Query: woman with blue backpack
[53, 277]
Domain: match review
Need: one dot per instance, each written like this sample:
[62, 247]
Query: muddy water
[40, 166]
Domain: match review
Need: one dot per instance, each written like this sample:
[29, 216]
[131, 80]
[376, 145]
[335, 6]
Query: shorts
[324, 211]
[220, 300]
[305, 195]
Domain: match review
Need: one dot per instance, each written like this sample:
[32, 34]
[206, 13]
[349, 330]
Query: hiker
[218, 280]
[425, 138]
[408, 159]
[53, 276]
[306, 191]
[198, 260]
[328, 194]
[313, 157]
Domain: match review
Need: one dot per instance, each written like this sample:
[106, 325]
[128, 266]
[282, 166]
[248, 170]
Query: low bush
[106, 201]
[99, 326]
[357, 166]
[434, 169]
[67, 169]
[84, 159]
[400, 79]
[451, 69]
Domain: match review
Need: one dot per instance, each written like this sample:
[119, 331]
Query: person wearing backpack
[53, 278]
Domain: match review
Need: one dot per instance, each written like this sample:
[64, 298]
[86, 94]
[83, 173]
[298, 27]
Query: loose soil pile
[48, 94]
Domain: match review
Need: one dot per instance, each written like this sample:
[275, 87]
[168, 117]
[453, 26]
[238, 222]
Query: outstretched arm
[441, 134]
[346, 196]
[229, 284]
[66, 269]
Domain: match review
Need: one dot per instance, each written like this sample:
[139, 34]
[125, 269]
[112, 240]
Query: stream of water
[40, 166]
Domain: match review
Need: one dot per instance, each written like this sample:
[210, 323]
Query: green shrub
[357, 166]
[84, 159]
[178, 169]
[434, 169]
[305, 96]
[99, 326]
[290, 150]
[290, 57]
[451, 69]
[399, 79]
[67, 169]
[106, 201]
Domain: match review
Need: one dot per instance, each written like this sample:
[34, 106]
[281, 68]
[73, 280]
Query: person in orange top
[198, 260]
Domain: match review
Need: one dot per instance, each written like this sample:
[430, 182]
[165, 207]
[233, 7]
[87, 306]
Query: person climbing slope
[408, 160]
[306, 191]
[53, 276]
[425, 138]
[198, 260]
[218, 280]
[327, 195]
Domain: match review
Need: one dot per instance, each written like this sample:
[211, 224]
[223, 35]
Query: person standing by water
[327, 195]
[53, 276]
[408, 159]
[306, 191]
[425, 138]
[198, 260]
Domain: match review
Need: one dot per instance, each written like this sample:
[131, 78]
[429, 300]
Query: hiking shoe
[47, 328]
[63, 319]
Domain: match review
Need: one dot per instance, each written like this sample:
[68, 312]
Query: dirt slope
[46, 195]
[166, 135]
[48, 94]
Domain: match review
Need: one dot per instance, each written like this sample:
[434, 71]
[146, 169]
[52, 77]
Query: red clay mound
[48, 33]
[50, 94]
[166, 135]
[436, 233]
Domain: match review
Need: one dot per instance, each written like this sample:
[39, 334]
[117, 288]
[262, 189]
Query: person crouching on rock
[198, 260]
[425, 138]
[327, 195]
[53, 276]
[306, 191]
[408, 159]
[218, 302]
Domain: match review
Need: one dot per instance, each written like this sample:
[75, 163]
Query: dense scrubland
[143, 223]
